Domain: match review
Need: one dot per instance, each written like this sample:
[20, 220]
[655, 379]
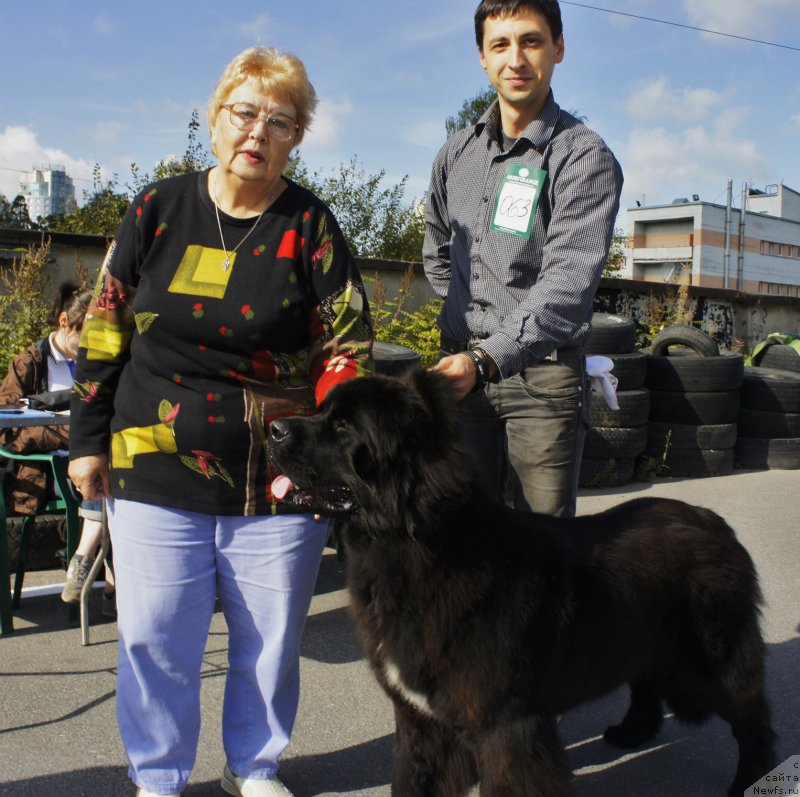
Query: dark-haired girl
[47, 366]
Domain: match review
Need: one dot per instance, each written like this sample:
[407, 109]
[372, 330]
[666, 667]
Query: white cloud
[740, 17]
[664, 163]
[326, 126]
[657, 99]
[21, 151]
[255, 29]
[426, 134]
[103, 25]
[107, 132]
[684, 141]
[436, 29]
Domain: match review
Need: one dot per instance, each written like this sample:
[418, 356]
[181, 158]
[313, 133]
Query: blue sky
[683, 110]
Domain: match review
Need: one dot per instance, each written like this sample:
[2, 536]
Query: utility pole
[726, 261]
[740, 258]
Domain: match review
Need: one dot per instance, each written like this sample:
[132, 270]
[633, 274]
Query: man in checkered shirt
[519, 218]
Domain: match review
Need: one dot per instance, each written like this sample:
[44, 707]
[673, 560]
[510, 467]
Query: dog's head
[382, 451]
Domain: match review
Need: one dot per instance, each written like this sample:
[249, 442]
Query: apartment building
[47, 191]
[757, 251]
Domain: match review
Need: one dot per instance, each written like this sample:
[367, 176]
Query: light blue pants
[170, 566]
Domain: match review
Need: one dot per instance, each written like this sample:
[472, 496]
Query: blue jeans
[93, 510]
[525, 434]
[170, 566]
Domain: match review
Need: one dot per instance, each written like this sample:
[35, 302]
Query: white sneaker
[144, 793]
[250, 787]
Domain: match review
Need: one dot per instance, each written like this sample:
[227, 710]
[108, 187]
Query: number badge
[515, 206]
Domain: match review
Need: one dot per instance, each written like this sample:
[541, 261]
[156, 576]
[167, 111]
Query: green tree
[106, 204]
[25, 300]
[14, 214]
[100, 215]
[616, 254]
[376, 220]
[194, 159]
[471, 111]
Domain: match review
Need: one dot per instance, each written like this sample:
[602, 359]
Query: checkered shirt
[523, 298]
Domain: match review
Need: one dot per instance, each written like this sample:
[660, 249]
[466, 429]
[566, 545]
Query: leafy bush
[672, 308]
[26, 301]
[414, 329]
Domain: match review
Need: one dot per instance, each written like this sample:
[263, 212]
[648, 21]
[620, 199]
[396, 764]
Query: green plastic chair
[65, 504]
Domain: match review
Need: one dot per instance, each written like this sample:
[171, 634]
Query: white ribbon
[603, 381]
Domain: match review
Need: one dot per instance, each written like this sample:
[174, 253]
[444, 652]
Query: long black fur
[483, 624]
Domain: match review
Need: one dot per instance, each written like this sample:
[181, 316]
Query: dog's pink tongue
[281, 486]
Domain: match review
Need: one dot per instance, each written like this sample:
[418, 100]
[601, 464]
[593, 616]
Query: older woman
[227, 299]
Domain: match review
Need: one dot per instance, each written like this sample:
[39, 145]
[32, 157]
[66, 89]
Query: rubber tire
[776, 453]
[687, 435]
[694, 462]
[634, 409]
[615, 442]
[770, 389]
[763, 423]
[688, 372]
[42, 546]
[392, 359]
[603, 473]
[713, 407]
[611, 334]
[630, 368]
[780, 356]
[684, 335]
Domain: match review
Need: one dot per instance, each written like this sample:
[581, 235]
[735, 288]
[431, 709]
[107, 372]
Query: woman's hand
[90, 476]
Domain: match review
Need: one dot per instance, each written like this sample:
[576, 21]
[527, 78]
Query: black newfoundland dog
[484, 624]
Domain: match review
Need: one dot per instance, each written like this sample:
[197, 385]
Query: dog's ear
[436, 390]
[364, 464]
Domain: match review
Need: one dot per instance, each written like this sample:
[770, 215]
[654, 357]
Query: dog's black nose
[278, 431]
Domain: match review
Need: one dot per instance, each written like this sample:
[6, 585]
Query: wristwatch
[478, 357]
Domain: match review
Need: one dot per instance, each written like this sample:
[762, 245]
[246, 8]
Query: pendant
[226, 264]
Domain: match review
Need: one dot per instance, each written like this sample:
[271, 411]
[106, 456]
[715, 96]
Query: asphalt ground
[58, 733]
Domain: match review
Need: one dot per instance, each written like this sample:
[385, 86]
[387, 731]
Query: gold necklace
[226, 263]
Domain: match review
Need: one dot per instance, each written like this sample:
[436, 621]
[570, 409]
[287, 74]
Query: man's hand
[461, 372]
[90, 476]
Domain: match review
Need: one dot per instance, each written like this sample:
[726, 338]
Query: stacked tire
[694, 403]
[616, 437]
[769, 420]
[780, 357]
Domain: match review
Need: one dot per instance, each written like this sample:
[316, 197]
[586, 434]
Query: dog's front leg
[429, 760]
[523, 758]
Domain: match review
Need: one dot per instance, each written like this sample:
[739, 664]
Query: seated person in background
[47, 366]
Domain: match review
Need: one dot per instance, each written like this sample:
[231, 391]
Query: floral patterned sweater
[183, 363]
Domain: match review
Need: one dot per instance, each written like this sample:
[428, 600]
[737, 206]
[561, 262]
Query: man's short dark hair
[549, 9]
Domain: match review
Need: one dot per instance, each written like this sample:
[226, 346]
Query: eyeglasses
[246, 117]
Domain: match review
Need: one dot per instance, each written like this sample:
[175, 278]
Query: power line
[21, 171]
[679, 25]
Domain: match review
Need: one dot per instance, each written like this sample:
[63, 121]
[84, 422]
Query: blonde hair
[282, 75]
